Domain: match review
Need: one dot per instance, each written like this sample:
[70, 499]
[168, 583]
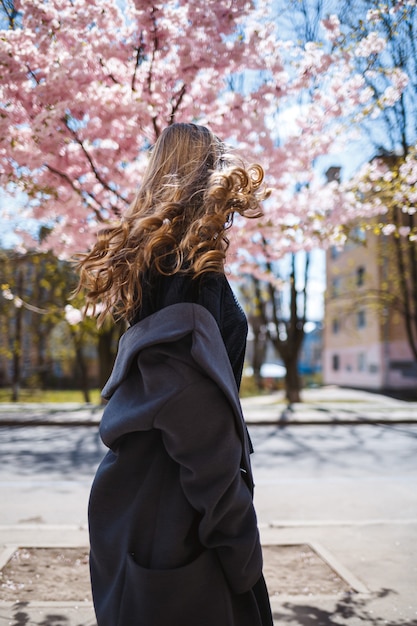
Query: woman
[173, 532]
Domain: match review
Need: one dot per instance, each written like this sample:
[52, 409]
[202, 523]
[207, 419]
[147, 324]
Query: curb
[282, 422]
[257, 411]
[23, 423]
[331, 421]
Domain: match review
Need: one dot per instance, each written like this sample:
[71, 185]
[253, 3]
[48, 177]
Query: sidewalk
[326, 405]
[369, 604]
[374, 557]
[329, 405]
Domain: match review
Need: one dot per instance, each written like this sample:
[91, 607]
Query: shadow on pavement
[71, 452]
[351, 609]
[50, 620]
[22, 618]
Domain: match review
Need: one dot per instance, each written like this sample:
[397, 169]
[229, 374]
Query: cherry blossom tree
[88, 86]
[383, 191]
[390, 29]
[307, 211]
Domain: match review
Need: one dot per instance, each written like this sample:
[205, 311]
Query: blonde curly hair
[177, 223]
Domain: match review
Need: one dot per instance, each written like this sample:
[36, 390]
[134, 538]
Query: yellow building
[365, 339]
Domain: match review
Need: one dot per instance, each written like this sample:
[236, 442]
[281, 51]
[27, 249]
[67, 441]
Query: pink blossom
[332, 26]
[89, 86]
[72, 315]
[374, 15]
[388, 229]
[390, 96]
[399, 79]
[404, 231]
[371, 44]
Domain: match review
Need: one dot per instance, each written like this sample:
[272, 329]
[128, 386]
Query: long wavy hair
[177, 223]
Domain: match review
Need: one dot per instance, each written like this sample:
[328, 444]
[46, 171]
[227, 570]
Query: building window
[362, 361]
[335, 326]
[335, 362]
[407, 369]
[360, 319]
[360, 276]
[335, 287]
[317, 355]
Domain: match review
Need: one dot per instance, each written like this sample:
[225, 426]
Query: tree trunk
[259, 348]
[407, 273]
[107, 349]
[17, 343]
[289, 349]
[85, 388]
[105, 356]
[81, 364]
[292, 381]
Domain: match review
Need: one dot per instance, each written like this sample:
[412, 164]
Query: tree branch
[179, 97]
[10, 12]
[405, 290]
[139, 58]
[77, 190]
[95, 171]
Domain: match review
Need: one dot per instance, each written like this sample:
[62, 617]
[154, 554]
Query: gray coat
[173, 532]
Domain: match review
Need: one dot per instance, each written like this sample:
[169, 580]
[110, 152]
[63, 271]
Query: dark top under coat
[213, 292]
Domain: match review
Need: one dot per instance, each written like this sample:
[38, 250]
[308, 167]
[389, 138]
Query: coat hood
[171, 324]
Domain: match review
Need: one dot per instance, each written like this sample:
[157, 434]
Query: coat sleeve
[199, 433]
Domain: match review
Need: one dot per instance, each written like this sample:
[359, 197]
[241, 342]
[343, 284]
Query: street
[335, 473]
[351, 489]
[303, 473]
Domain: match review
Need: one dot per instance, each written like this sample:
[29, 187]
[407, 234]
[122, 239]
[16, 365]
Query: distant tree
[34, 295]
[384, 37]
[387, 187]
[279, 314]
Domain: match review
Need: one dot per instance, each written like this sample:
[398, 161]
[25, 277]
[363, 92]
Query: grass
[56, 395]
[50, 395]
[248, 389]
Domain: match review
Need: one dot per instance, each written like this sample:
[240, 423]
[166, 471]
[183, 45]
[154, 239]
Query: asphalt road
[335, 473]
[303, 474]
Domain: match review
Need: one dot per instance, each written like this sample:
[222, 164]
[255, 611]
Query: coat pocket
[196, 594]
